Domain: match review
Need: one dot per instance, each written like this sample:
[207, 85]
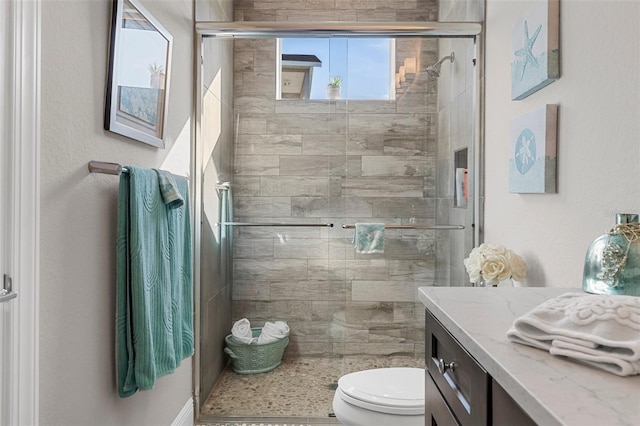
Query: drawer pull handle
[443, 366]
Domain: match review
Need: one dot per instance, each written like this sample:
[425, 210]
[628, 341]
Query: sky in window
[363, 65]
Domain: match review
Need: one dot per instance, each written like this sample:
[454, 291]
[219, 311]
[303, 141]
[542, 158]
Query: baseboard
[186, 416]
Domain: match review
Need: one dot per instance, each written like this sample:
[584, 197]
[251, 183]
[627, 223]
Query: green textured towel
[169, 189]
[154, 305]
[369, 238]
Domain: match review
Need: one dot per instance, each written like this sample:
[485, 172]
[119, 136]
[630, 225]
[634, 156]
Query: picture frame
[138, 75]
[535, 49]
[533, 158]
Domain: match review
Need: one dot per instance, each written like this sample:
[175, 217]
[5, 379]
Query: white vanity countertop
[552, 390]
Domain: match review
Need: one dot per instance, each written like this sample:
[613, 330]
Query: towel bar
[435, 227]
[106, 168]
[324, 225]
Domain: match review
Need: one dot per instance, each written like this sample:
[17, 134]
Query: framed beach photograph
[138, 75]
[533, 152]
[535, 57]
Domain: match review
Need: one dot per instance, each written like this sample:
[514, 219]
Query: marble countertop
[552, 390]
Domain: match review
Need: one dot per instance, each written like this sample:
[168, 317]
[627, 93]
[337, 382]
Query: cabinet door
[463, 383]
[437, 412]
[504, 410]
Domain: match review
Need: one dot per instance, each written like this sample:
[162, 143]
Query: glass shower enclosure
[317, 128]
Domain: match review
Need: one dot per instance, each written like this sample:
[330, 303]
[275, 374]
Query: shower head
[434, 70]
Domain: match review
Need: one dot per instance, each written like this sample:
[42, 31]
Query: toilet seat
[397, 390]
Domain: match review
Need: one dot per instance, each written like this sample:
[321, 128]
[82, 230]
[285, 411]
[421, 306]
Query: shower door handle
[427, 227]
[7, 293]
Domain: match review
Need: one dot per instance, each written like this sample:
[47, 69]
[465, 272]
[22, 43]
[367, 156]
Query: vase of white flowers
[493, 265]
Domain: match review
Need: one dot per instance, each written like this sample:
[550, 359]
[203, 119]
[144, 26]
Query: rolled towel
[241, 332]
[602, 331]
[273, 331]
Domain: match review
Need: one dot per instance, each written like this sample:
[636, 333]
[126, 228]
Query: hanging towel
[169, 189]
[273, 331]
[369, 238]
[154, 309]
[602, 331]
[241, 332]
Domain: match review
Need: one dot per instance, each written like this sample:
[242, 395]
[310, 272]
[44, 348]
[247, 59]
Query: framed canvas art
[533, 153]
[535, 49]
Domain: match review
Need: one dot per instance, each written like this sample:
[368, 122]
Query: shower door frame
[282, 29]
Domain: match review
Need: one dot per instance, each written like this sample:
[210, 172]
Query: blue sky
[362, 63]
[138, 49]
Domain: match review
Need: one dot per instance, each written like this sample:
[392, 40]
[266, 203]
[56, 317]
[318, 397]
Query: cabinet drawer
[437, 412]
[463, 383]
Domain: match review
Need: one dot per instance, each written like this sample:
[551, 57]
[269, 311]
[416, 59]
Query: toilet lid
[386, 390]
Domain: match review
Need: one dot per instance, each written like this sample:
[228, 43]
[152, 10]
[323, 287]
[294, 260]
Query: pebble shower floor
[299, 388]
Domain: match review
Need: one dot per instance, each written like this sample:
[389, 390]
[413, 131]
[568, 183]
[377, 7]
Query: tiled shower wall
[334, 162]
[457, 90]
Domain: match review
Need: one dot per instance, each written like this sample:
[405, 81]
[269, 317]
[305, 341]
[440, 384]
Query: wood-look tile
[262, 206]
[257, 165]
[304, 165]
[269, 269]
[301, 249]
[397, 165]
[330, 207]
[384, 186]
[256, 144]
[389, 291]
[293, 186]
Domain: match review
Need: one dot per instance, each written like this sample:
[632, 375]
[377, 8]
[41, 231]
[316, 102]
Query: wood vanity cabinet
[458, 391]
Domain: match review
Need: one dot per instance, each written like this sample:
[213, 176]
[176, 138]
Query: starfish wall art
[535, 49]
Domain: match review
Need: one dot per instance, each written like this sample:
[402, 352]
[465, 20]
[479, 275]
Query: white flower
[493, 263]
[474, 265]
[518, 267]
[492, 250]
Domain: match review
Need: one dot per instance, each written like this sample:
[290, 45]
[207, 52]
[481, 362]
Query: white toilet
[381, 397]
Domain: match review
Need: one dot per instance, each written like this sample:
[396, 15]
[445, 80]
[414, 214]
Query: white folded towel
[241, 332]
[602, 331]
[273, 331]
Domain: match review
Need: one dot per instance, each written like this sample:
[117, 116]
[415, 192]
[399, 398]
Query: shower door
[409, 161]
[386, 151]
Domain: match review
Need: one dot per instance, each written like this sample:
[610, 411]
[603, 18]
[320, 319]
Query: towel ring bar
[435, 227]
[324, 225]
[106, 168]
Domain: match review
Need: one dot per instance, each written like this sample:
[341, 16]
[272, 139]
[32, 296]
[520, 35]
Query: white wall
[78, 215]
[598, 137]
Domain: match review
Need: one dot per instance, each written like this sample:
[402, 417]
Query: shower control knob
[443, 366]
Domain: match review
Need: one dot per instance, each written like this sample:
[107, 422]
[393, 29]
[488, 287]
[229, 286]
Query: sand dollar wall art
[535, 49]
[533, 154]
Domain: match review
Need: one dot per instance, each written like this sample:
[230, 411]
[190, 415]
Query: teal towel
[169, 189]
[154, 308]
[369, 238]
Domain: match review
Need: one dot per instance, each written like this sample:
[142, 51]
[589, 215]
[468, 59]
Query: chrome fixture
[393, 226]
[434, 70]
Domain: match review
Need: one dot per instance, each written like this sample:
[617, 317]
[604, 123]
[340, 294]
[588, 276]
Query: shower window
[336, 68]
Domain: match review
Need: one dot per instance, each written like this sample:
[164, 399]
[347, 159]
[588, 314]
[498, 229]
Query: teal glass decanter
[612, 263]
